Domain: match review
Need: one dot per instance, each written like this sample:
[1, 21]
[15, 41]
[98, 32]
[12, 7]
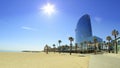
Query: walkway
[104, 61]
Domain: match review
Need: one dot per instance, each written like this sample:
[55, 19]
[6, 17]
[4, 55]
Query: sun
[49, 9]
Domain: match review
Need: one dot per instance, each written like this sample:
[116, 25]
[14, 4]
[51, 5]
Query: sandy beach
[42, 60]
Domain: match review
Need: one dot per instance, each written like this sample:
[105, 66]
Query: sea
[9, 51]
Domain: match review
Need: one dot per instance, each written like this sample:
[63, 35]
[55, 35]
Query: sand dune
[42, 60]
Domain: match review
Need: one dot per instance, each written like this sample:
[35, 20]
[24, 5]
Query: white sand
[42, 60]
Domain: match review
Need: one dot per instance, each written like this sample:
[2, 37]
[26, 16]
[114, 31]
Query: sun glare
[48, 9]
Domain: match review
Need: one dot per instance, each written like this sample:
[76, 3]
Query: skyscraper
[83, 29]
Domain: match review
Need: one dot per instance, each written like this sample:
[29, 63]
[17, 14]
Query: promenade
[105, 61]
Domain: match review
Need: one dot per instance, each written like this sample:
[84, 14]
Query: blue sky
[23, 25]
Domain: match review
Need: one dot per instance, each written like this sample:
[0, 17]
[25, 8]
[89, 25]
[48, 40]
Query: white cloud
[28, 28]
[98, 19]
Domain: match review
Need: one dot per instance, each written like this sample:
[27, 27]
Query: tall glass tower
[83, 29]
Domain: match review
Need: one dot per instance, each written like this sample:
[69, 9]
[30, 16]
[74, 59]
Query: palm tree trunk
[54, 49]
[109, 47]
[70, 48]
[95, 49]
[116, 45]
[59, 48]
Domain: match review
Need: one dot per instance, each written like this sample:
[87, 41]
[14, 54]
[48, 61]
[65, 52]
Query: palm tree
[76, 46]
[109, 39]
[95, 47]
[59, 41]
[54, 47]
[115, 33]
[71, 39]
